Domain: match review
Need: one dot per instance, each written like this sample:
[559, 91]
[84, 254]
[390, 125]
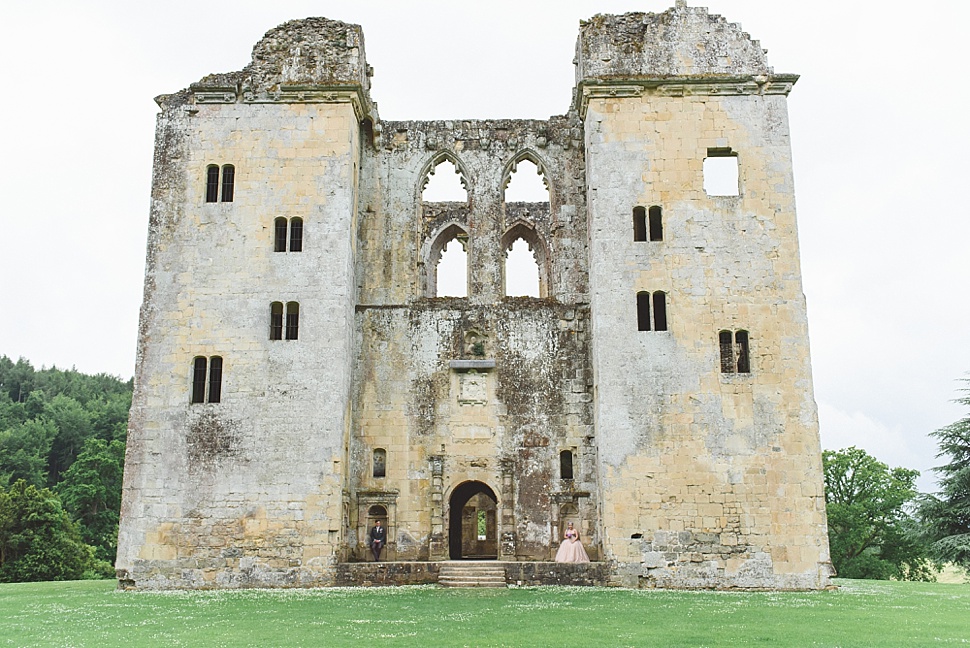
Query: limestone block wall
[503, 424]
[710, 479]
[247, 490]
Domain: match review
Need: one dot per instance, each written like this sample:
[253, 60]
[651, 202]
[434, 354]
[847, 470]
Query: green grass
[861, 613]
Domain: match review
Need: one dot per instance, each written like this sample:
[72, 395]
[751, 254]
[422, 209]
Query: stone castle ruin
[299, 376]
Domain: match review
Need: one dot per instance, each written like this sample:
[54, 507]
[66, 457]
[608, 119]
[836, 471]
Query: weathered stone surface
[476, 426]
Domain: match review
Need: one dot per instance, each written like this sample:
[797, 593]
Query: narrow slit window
[741, 344]
[656, 224]
[215, 379]
[279, 235]
[212, 183]
[198, 379]
[380, 462]
[659, 311]
[228, 180]
[276, 321]
[643, 311]
[639, 224]
[727, 351]
[292, 320]
[296, 235]
[566, 464]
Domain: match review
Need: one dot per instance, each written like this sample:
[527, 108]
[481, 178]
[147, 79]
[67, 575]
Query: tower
[707, 433]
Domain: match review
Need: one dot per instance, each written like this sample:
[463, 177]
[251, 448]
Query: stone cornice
[286, 95]
[776, 84]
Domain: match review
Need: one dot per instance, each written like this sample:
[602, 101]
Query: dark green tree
[38, 540]
[946, 515]
[871, 533]
[24, 451]
[91, 492]
[73, 424]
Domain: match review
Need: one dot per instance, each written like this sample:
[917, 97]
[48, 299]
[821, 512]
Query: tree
[91, 492]
[24, 450]
[38, 541]
[946, 516]
[871, 533]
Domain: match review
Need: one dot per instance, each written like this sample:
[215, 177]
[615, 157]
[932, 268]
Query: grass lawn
[861, 613]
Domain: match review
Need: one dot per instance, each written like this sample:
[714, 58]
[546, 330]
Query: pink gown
[571, 549]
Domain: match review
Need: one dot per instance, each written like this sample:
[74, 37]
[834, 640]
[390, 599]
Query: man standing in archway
[378, 536]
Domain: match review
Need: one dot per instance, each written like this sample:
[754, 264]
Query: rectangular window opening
[721, 176]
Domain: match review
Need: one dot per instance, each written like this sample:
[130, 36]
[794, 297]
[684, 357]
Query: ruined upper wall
[290, 60]
[680, 42]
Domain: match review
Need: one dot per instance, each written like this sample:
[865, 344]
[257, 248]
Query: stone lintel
[472, 365]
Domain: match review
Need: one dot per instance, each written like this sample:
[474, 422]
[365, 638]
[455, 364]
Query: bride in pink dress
[571, 549]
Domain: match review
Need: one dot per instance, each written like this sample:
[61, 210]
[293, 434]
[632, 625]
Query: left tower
[238, 435]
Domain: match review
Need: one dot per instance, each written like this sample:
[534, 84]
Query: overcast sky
[880, 136]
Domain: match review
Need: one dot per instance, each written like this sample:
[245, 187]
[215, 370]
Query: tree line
[62, 447]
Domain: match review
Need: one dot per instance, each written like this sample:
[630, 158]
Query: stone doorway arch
[473, 508]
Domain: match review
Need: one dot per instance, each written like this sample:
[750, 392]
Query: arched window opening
[215, 379]
[656, 224]
[296, 235]
[721, 177]
[206, 373]
[380, 462]
[566, 464]
[727, 351]
[735, 353]
[527, 183]
[521, 270]
[444, 183]
[377, 512]
[279, 235]
[659, 311]
[452, 271]
[228, 180]
[741, 344]
[643, 311]
[199, 370]
[639, 224]
[276, 321]
[292, 320]
[212, 183]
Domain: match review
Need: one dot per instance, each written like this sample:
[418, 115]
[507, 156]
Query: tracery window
[735, 352]
[207, 379]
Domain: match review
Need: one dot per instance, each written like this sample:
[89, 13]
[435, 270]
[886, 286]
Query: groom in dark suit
[378, 536]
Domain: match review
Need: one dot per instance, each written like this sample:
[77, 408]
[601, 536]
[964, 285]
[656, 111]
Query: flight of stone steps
[466, 573]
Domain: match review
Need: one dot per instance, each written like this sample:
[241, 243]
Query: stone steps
[471, 574]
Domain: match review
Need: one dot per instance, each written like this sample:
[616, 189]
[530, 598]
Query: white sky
[879, 130]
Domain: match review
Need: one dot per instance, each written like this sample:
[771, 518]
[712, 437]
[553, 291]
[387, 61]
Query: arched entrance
[472, 526]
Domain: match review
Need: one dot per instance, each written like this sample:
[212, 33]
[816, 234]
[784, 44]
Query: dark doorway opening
[472, 524]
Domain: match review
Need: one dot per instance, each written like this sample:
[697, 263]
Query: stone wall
[691, 467]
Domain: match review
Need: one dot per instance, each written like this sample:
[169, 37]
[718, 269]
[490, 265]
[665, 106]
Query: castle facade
[299, 377]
